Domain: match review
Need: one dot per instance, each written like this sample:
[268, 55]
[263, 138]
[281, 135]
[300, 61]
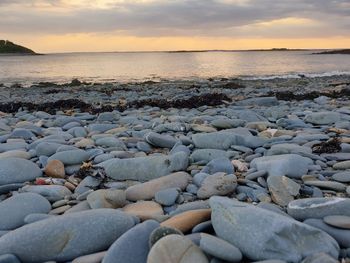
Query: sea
[156, 66]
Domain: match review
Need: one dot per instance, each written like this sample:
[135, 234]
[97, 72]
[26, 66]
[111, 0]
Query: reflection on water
[106, 67]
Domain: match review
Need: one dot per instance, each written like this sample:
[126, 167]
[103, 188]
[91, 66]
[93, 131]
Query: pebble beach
[182, 171]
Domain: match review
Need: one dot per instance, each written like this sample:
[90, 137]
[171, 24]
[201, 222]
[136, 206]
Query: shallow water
[127, 67]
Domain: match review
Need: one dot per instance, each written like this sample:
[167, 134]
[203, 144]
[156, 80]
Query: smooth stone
[84, 143]
[187, 220]
[198, 178]
[15, 154]
[55, 169]
[167, 197]
[31, 218]
[14, 209]
[205, 227]
[338, 221]
[99, 127]
[282, 189]
[287, 148]
[342, 236]
[64, 238]
[81, 206]
[145, 168]
[92, 258]
[219, 248]
[144, 210]
[160, 140]
[343, 177]
[176, 249]
[318, 207]
[17, 170]
[132, 246]
[227, 123]
[9, 146]
[260, 101]
[290, 165]
[202, 128]
[52, 193]
[219, 165]
[147, 190]
[217, 184]
[327, 185]
[319, 258]
[4, 189]
[88, 183]
[110, 142]
[273, 236]
[322, 118]
[9, 258]
[223, 140]
[106, 199]
[47, 148]
[207, 155]
[200, 204]
[161, 232]
[345, 165]
[71, 157]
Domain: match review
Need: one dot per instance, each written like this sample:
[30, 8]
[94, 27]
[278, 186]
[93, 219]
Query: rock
[223, 140]
[227, 123]
[55, 168]
[47, 148]
[217, 184]
[15, 154]
[111, 142]
[282, 189]
[291, 165]
[167, 197]
[287, 148]
[207, 155]
[318, 207]
[132, 246]
[345, 165]
[145, 168]
[4, 189]
[14, 209]
[16, 170]
[146, 191]
[52, 193]
[260, 101]
[160, 140]
[161, 232]
[31, 218]
[343, 177]
[9, 258]
[322, 118]
[187, 220]
[71, 157]
[176, 249]
[327, 185]
[341, 235]
[319, 258]
[106, 199]
[64, 238]
[219, 165]
[219, 248]
[273, 236]
[200, 204]
[202, 128]
[92, 258]
[338, 221]
[144, 210]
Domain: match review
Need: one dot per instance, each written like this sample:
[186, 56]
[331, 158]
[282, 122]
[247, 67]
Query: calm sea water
[125, 67]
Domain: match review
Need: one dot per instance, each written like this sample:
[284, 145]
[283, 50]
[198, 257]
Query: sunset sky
[145, 25]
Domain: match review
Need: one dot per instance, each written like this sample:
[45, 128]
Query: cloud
[152, 18]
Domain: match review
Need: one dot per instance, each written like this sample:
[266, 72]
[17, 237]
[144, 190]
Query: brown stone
[144, 210]
[187, 220]
[55, 168]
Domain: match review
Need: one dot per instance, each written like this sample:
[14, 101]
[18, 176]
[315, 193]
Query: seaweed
[330, 146]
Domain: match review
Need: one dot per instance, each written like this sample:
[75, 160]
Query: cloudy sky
[130, 25]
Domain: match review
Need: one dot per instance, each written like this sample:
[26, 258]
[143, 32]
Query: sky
[154, 25]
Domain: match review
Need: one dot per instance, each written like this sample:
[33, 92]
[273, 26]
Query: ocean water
[134, 67]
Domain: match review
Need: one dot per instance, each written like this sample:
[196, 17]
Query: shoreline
[195, 166]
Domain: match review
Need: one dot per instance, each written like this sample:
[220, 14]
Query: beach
[203, 170]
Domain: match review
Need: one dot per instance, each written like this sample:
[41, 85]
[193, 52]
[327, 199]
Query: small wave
[298, 75]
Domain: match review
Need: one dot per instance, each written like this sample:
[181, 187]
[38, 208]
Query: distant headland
[333, 52]
[8, 48]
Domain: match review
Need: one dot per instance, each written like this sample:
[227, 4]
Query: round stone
[144, 210]
[338, 221]
[55, 168]
[161, 232]
[176, 249]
